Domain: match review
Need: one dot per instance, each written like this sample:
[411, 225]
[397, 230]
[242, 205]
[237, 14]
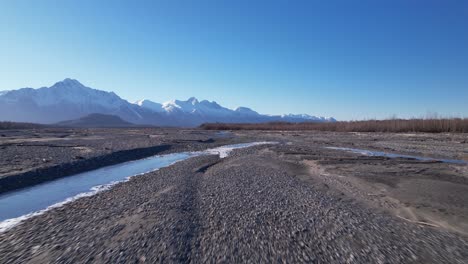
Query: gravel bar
[251, 207]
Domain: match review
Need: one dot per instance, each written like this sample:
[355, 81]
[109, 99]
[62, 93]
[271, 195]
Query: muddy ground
[295, 201]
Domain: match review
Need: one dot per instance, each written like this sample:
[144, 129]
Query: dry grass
[452, 125]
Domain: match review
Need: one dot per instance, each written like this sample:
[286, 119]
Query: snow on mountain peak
[67, 91]
[306, 117]
[153, 106]
[69, 99]
[68, 83]
[185, 106]
[246, 110]
[193, 100]
[72, 81]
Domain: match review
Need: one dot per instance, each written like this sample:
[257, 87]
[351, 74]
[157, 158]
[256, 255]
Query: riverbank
[30, 157]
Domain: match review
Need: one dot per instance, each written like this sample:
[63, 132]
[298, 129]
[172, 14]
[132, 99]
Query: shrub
[433, 125]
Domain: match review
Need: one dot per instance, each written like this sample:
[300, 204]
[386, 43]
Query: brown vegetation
[455, 125]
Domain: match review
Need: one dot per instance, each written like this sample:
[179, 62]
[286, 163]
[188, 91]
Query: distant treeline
[454, 125]
[16, 125]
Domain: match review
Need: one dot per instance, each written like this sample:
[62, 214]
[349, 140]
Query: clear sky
[347, 59]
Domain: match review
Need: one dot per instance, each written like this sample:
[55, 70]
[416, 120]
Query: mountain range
[69, 99]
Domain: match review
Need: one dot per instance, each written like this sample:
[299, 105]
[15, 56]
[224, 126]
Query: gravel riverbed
[292, 202]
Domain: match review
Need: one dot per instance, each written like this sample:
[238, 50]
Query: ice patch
[224, 151]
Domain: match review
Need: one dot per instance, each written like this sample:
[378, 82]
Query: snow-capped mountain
[193, 106]
[69, 99]
[246, 111]
[65, 100]
[307, 117]
[195, 112]
[155, 107]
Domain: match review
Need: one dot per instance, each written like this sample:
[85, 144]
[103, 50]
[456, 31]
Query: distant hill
[16, 125]
[96, 120]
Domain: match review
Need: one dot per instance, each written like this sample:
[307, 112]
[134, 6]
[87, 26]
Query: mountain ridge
[69, 100]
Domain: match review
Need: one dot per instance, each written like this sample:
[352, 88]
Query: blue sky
[347, 59]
